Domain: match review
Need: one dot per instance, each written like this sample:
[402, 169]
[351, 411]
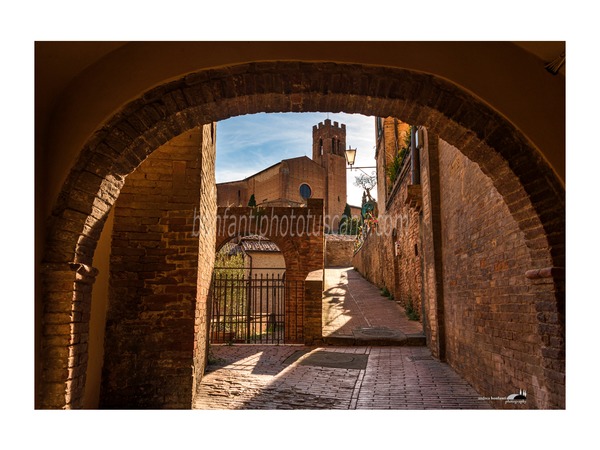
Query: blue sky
[248, 144]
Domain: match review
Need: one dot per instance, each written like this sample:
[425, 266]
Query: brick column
[548, 286]
[65, 329]
[204, 226]
[151, 328]
[313, 308]
[433, 282]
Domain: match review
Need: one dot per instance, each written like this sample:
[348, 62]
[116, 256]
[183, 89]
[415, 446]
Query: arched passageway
[529, 186]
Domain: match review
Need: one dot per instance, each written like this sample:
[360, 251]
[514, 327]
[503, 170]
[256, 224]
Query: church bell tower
[329, 144]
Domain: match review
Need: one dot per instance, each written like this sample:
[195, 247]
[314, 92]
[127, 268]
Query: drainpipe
[415, 162]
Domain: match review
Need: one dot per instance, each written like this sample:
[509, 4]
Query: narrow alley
[373, 358]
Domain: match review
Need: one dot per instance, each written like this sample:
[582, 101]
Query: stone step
[376, 336]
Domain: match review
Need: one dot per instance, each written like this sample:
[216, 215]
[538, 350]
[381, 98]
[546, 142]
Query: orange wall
[98, 316]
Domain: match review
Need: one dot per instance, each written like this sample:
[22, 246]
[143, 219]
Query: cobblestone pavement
[298, 377]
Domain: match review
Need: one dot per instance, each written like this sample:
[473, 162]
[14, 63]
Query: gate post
[313, 308]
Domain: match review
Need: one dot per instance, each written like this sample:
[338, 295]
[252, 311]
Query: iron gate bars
[259, 308]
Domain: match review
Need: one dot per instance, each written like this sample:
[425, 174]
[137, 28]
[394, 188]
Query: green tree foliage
[393, 170]
[348, 224]
[347, 211]
[229, 292]
[252, 201]
[229, 261]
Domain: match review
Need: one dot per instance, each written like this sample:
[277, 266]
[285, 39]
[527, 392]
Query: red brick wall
[205, 229]
[405, 245]
[336, 191]
[483, 315]
[301, 170]
[66, 334]
[234, 193]
[123, 140]
[431, 242]
[333, 138]
[388, 257]
[369, 261]
[391, 257]
[153, 317]
[388, 143]
[489, 308]
[265, 185]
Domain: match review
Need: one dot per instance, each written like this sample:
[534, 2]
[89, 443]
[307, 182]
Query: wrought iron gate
[261, 308]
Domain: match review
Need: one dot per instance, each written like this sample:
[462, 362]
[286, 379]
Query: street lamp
[350, 156]
[351, 159]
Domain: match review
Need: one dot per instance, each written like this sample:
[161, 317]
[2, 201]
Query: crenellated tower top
[328, 139]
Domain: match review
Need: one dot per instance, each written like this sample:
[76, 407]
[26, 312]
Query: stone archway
[532, 192]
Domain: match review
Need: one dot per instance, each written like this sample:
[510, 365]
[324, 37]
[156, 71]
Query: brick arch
[531, 190]
[300, 242]
[517, 169]
[288, 250]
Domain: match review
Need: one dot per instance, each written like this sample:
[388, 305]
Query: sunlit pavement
[298, 377]
[381, 367]
[355, 313]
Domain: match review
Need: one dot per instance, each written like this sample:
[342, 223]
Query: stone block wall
[156, 274]
[339, 250]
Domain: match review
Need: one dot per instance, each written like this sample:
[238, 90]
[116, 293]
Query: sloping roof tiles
[255, 243]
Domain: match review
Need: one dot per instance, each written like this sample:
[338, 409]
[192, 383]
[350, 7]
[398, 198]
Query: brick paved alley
[355, 312]
[373, 364]
[297, 377]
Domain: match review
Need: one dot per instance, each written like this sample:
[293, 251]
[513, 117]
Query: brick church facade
[292, 182]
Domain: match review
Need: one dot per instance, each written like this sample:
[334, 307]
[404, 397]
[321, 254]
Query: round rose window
[305, 191]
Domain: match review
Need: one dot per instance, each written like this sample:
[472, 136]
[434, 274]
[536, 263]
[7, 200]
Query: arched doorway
[531, 190]
[298, 234]
[249, 293]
